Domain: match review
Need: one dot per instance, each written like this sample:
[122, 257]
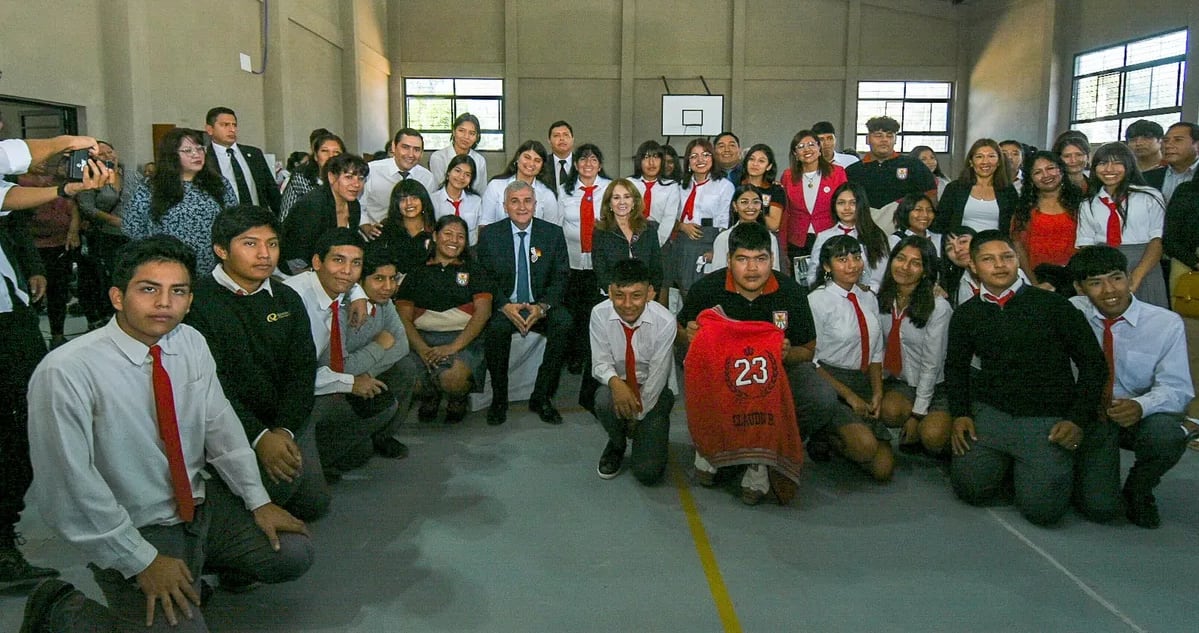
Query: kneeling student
[1148, 387]
[1023, 411]
[632, 337]
[122, 422]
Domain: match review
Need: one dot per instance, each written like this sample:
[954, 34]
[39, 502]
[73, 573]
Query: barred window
[1117, 85]
[431, 105]
[921, 107]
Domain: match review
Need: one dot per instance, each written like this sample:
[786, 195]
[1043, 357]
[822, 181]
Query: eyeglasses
[192, 151]
[808, 145]
[752, 202]
[699, 156]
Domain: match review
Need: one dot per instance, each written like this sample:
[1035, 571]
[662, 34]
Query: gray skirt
[686, 251]
[471, 356]
[1153, 286]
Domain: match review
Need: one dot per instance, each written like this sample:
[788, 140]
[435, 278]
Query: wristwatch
[545, 308]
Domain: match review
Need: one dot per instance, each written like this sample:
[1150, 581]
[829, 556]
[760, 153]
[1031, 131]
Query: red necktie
[845, 230]
[1113, 221]
[689, 206]
[587, 217]
[862, 330]
[457, 204]
[973, 288]
[336, 357]
[630, 363]
[1002, 301]
[1109, 354]
[893, 361]
[649, 195]
[168, 430]
[240, 292]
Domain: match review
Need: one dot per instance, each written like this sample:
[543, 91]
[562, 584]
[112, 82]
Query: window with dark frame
[1138, 79]
[432, 104]
[922, 108]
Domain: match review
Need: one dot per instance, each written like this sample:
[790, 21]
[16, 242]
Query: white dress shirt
[1144, 221]
[653, 346]
[439, 161]
[14, 159]
[713, 202]
[664, 205]
[470, 209]
[838, 337]
[222, 159]
[1150, 351]
[493, 202]
[872, 276]
[569, 209]
[923, 351]
[101, 470]
[320, 320]
[383, 177]
[720, 251]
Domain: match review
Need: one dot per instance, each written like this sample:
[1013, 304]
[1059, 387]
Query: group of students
[804, 320]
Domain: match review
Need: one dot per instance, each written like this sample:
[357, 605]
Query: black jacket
[952, 206]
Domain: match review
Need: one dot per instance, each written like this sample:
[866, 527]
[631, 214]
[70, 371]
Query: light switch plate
[245, 63]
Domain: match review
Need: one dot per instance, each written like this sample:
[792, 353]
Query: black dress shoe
[546, 411]
[497, 414]
[1141, 510]
[390, 447]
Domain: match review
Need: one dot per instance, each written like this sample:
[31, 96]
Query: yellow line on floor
[720, 593]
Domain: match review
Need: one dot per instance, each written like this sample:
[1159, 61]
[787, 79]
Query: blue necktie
[523, 295]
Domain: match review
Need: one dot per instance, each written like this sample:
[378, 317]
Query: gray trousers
[306, 496]
[223, 536]
[650, 435]
[1158, 443]
[1043, 472]
[342, 437]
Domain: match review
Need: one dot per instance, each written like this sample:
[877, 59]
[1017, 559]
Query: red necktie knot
[457, 205]
[689, 206]
[844, 230]
[1001, 300]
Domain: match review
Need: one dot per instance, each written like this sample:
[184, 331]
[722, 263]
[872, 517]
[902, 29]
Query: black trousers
[582, 294]
[21, 348]
[556, 328]
[58, 261]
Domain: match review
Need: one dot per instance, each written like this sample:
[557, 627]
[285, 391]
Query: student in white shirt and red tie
[1148, 388]
[122, 422]
[849, 355]
[632, 338]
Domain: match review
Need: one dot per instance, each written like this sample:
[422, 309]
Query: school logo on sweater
[462, 279]
[901, 173]
[780, 319]
[275, 316]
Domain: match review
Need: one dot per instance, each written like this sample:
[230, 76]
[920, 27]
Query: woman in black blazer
[977, 198]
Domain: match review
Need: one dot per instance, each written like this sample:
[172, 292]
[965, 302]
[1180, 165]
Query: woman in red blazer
[809, 183]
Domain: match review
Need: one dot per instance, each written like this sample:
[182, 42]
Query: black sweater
[1026, 349]
[952, 206]
[264, 354]
[1181, 236]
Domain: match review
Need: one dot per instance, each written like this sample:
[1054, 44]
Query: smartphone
[76, 165]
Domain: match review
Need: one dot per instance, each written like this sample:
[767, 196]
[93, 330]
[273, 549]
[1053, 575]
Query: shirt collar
[772, 284]
[225, 148]
[516, 229]
[1132, 314]
[1189, 170]
[1013, 289]
[647, 316]
[136, 351]
[318, 291]
[227, 283]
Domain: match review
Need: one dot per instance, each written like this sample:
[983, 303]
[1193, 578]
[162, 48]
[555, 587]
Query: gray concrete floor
[510, 529]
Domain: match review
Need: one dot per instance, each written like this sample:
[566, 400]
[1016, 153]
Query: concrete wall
[129, 64]
[781, 64]
[1021, 58]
